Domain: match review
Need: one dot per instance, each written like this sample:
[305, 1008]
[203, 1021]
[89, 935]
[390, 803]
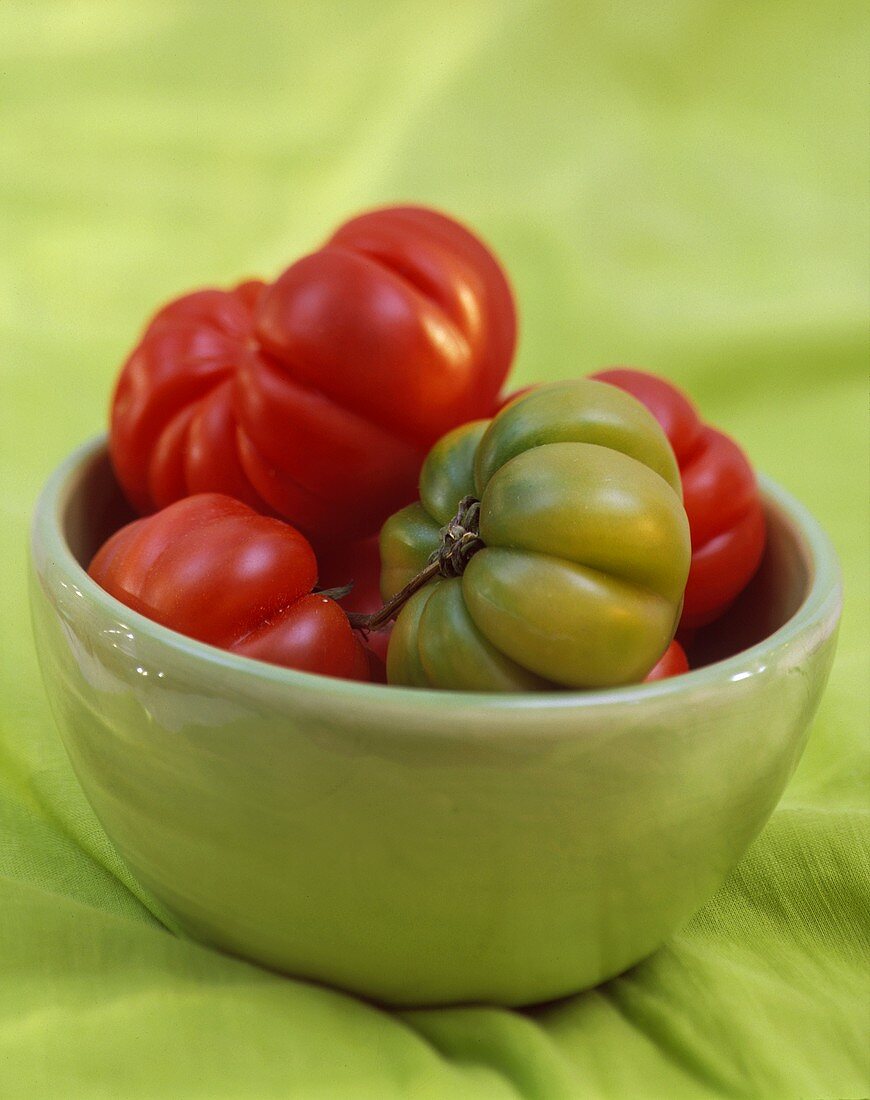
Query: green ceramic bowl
[420, 847]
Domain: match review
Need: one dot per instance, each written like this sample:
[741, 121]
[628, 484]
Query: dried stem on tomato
[460, 541]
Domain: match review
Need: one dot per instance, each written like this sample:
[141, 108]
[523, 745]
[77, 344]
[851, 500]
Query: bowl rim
[823, 600]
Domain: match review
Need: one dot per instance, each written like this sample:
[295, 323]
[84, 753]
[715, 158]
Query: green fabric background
[678, 185]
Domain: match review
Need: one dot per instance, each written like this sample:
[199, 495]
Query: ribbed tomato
[317, 398]
[720, 495]
[210, 567]
[549, 547]
[173, 426]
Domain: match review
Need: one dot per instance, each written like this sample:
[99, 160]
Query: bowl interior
[94, 508]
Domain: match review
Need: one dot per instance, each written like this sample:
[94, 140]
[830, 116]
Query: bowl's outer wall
[413, 847]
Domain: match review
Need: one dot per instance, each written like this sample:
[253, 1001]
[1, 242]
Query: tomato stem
[379, 619]
[460, 541]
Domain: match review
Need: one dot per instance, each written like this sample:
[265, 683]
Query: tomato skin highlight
[720, 494]
[581, 552]
[317, 397]
[210, 567]
[452, 267]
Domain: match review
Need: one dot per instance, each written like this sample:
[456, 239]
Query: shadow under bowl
[421, 847]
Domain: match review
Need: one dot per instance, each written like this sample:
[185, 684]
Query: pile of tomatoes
[304, 450]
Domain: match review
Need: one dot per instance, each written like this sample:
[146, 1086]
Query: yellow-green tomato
[578, 577]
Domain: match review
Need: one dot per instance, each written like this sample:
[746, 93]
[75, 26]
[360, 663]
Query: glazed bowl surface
[421, 847]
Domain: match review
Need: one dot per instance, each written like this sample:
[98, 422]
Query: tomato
[357, 563]
[317, 397]
[173, 427]
[565, 552]
[673, 662]
[210, 567]
[720, 494]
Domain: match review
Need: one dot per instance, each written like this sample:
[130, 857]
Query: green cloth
[680, 185]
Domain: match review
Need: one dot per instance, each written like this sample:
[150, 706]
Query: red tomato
[672, 662]
[720, 495]
[358, 563]
[213, 569]
[173, 429]
[318, 397]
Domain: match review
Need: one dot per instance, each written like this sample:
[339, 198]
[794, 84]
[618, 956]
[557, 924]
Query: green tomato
[585, 548]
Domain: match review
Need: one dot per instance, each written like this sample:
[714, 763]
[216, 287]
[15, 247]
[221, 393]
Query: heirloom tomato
[210, 567]
[559, 546]
[317, 397]
[173, 428]
[720, 495]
